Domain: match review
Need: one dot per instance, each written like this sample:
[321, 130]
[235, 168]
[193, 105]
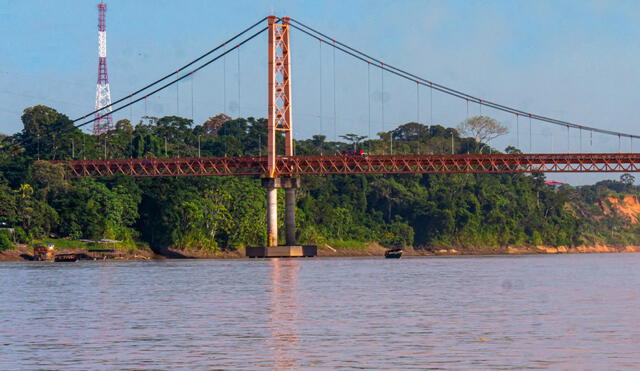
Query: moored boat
[68, 258]
[393, 254]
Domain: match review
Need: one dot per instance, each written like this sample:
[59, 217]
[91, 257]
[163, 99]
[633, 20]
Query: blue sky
[574, 60]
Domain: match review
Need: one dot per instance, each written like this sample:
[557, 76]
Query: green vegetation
[219, 213]
[5, 241]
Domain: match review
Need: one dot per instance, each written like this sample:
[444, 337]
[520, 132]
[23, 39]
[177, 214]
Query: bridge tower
[279, 120]
[103, 122]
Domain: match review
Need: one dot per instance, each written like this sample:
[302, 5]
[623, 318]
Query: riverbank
[374, 249]
[25, 253]
[377, 250]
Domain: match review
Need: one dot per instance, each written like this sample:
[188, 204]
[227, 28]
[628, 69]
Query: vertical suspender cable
[430, 104]
[335, 117]
[518, 130]
[382, 99]
[618, 143]
[320, 59]
[224, 84]
[417, 102]
[239, 111]
[467, 109]
[369, 97]
[580, 148]
[192, 116]
[178, 94]
[451, 141]
[530, 136]
[568, 140]
[591, 140]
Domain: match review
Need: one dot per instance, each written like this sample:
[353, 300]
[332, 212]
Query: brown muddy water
[499, 312]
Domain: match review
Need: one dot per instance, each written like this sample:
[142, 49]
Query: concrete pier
[290, 215]
[272, 216]
[291, 249]
[281, 251]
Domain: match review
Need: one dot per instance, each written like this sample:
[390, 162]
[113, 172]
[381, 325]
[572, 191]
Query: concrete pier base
[290, 216]
[281, 251]
[291, 249]
[272, 216]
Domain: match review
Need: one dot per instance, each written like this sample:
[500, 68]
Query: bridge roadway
[373, 164]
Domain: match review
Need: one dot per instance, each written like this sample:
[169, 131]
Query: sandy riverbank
[24, 252]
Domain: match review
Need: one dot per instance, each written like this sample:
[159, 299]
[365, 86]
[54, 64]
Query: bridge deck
[374, 164]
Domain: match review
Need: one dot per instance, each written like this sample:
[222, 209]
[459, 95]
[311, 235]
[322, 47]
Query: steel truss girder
[375, 164]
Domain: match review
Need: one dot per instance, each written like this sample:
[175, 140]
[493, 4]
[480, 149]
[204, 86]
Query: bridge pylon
[279, 120]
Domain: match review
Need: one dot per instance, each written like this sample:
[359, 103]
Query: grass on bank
[65, 244]
[346, 244]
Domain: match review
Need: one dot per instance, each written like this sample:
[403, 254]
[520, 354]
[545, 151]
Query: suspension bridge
[281, 167]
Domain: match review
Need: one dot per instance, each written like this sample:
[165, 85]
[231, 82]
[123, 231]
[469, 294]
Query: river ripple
[512, 312]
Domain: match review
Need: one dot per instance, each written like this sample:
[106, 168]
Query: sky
[572, 60]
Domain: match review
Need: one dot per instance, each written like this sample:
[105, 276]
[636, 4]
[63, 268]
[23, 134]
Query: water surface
[511, 312]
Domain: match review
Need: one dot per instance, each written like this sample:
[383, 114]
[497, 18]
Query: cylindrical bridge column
[290, 215]
[272, 215]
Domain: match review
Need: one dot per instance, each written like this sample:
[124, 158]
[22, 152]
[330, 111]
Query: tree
[482, 128]
[512, 150]
[50, 178]
[124, 125]
[412, 131]
[354, 139]
[213, 124]
[627, 179]
[46, 132]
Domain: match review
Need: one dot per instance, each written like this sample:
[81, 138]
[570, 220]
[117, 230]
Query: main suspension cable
[175, 72]
[442, 88]
[181, 77]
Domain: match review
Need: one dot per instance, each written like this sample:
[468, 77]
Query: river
[498, 312]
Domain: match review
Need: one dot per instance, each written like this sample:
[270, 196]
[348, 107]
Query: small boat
[393, 254]
[69, 258]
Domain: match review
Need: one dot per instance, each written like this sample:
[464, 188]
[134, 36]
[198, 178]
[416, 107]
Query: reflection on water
[283, 315]
[560, 312]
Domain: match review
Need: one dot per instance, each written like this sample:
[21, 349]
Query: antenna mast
[103, 122]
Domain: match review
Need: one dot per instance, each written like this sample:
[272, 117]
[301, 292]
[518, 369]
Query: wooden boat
[66, 258]
[393, 254]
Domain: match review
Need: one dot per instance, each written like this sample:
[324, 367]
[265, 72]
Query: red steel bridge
[292, 166]
[280, 168]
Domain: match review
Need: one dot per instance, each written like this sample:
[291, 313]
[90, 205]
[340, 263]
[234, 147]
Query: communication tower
[103, 122]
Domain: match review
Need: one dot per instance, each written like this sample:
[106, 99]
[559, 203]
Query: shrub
[5, 241]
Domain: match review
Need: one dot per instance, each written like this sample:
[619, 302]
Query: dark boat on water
[393, 254]
[67, 258]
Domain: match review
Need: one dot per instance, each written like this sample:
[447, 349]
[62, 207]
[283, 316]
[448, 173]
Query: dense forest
[39, 200]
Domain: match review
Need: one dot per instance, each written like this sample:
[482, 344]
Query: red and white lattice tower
[103, 122]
